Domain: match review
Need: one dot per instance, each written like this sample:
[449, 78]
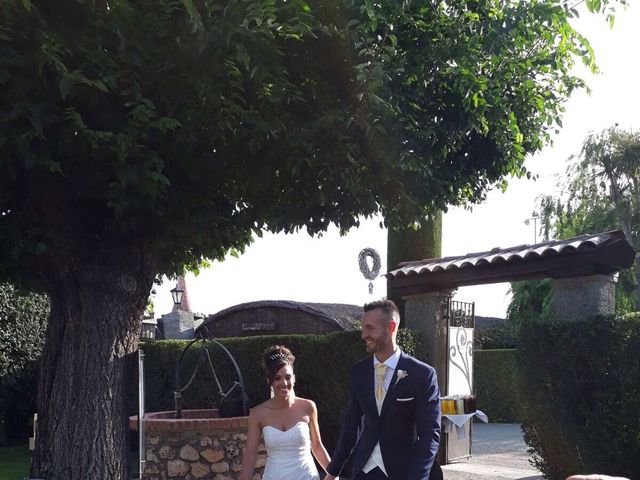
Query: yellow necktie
[381, 370]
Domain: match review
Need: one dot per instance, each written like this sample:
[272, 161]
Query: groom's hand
[595, 477]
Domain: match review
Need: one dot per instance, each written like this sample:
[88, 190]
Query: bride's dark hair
[274, 358]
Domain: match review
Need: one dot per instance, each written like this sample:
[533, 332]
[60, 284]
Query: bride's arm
[317, 447]
[250, 452]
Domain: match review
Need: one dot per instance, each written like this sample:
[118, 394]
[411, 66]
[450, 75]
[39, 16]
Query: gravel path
[499, 453]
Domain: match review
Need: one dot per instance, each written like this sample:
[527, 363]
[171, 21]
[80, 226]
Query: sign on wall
[258, 326]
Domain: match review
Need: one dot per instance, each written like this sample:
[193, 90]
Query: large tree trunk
[93, 325]
[409, 244]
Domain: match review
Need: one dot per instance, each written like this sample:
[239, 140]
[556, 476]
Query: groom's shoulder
[362, 363]
[418, 364]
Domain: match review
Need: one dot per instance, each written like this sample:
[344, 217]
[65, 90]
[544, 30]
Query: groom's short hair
[388, 307]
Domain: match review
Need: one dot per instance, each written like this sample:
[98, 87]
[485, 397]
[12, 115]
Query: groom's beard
[373, 345]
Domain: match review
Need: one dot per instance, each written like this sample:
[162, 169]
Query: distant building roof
[606, 252]
[342, 315]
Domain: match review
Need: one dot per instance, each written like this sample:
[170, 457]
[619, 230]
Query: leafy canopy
[182, 128]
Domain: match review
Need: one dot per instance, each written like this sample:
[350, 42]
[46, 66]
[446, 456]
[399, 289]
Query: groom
[392, 420]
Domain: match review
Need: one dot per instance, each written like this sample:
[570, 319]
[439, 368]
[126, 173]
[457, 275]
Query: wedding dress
[289, 453]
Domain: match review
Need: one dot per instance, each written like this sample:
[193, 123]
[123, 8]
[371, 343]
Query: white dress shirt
[375, 460]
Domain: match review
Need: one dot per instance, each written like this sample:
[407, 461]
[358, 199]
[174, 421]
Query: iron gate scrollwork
[460, 317]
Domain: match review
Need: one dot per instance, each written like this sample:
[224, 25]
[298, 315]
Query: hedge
[496, 338]
[581, 385]
[23, 320]
[321, 367]
[496, 385]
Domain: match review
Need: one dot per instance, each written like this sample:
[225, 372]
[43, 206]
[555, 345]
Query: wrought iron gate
[460, 321]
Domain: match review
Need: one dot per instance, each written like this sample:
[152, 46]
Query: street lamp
[534, 216]
[176, 294]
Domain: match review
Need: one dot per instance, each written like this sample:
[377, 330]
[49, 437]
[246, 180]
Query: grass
[14, 463]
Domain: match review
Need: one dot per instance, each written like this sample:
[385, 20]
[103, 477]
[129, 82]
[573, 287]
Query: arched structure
[583, 270]
[271, 317]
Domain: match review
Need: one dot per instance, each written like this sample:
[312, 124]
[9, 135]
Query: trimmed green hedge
[321, 367]
[496, 385]
[582, 395]
[496, 338]
[23, 320]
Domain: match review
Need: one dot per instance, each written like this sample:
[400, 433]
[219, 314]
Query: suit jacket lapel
[394, 380]
[369, 387]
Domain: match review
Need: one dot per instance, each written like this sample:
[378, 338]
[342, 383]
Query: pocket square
[405, 399]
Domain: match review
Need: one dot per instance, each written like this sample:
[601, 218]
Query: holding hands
[595, 477]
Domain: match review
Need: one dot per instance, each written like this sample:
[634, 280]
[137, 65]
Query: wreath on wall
[369, 273]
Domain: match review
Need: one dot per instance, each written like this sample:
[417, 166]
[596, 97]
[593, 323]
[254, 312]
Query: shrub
[581, 386]
[495, 384]
[321, 367]
[23, 319]
[496, 338]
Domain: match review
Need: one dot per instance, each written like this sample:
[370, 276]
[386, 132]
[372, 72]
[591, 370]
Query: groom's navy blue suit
[408, 426]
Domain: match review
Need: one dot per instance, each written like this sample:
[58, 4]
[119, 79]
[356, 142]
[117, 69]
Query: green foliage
[261, 115]
[495, 338]
[581, 392]
[530, 302]
[14, 463]
[162, 133]
[494, 382]
[602, 192]
[321, 367]
[23, 319]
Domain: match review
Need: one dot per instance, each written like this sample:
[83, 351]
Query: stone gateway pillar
[578, 298]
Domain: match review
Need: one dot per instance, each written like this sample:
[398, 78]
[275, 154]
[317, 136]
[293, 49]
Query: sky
[298, 267]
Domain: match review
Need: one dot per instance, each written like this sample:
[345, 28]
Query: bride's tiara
[278, 356]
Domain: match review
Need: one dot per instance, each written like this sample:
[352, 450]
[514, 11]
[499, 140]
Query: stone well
[200, 445]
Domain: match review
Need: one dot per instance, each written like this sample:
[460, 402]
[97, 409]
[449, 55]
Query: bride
[289, 425]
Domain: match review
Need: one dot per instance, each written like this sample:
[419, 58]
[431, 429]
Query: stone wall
[200, 448]
[178, 324]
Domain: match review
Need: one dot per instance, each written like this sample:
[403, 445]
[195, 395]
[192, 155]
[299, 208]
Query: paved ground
[498, 453]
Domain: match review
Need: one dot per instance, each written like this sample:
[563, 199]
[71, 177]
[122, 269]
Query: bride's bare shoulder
[259, 410]
[306, 403]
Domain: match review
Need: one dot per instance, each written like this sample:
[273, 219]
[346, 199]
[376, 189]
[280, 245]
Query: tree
[602, 193]
[412, 243]
[144, 137]
[530, 301]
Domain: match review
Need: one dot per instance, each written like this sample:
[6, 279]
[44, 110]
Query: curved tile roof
[498, 255]
[605, 252]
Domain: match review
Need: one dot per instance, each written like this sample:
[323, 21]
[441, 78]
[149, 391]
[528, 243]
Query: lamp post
[534, 216]
[176, 294]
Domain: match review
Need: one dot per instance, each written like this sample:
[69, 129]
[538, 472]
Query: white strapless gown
[289, 454]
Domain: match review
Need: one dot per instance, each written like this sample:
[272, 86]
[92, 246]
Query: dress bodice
[289, 453]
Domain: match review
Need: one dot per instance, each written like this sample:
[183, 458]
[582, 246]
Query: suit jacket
[408, 426]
